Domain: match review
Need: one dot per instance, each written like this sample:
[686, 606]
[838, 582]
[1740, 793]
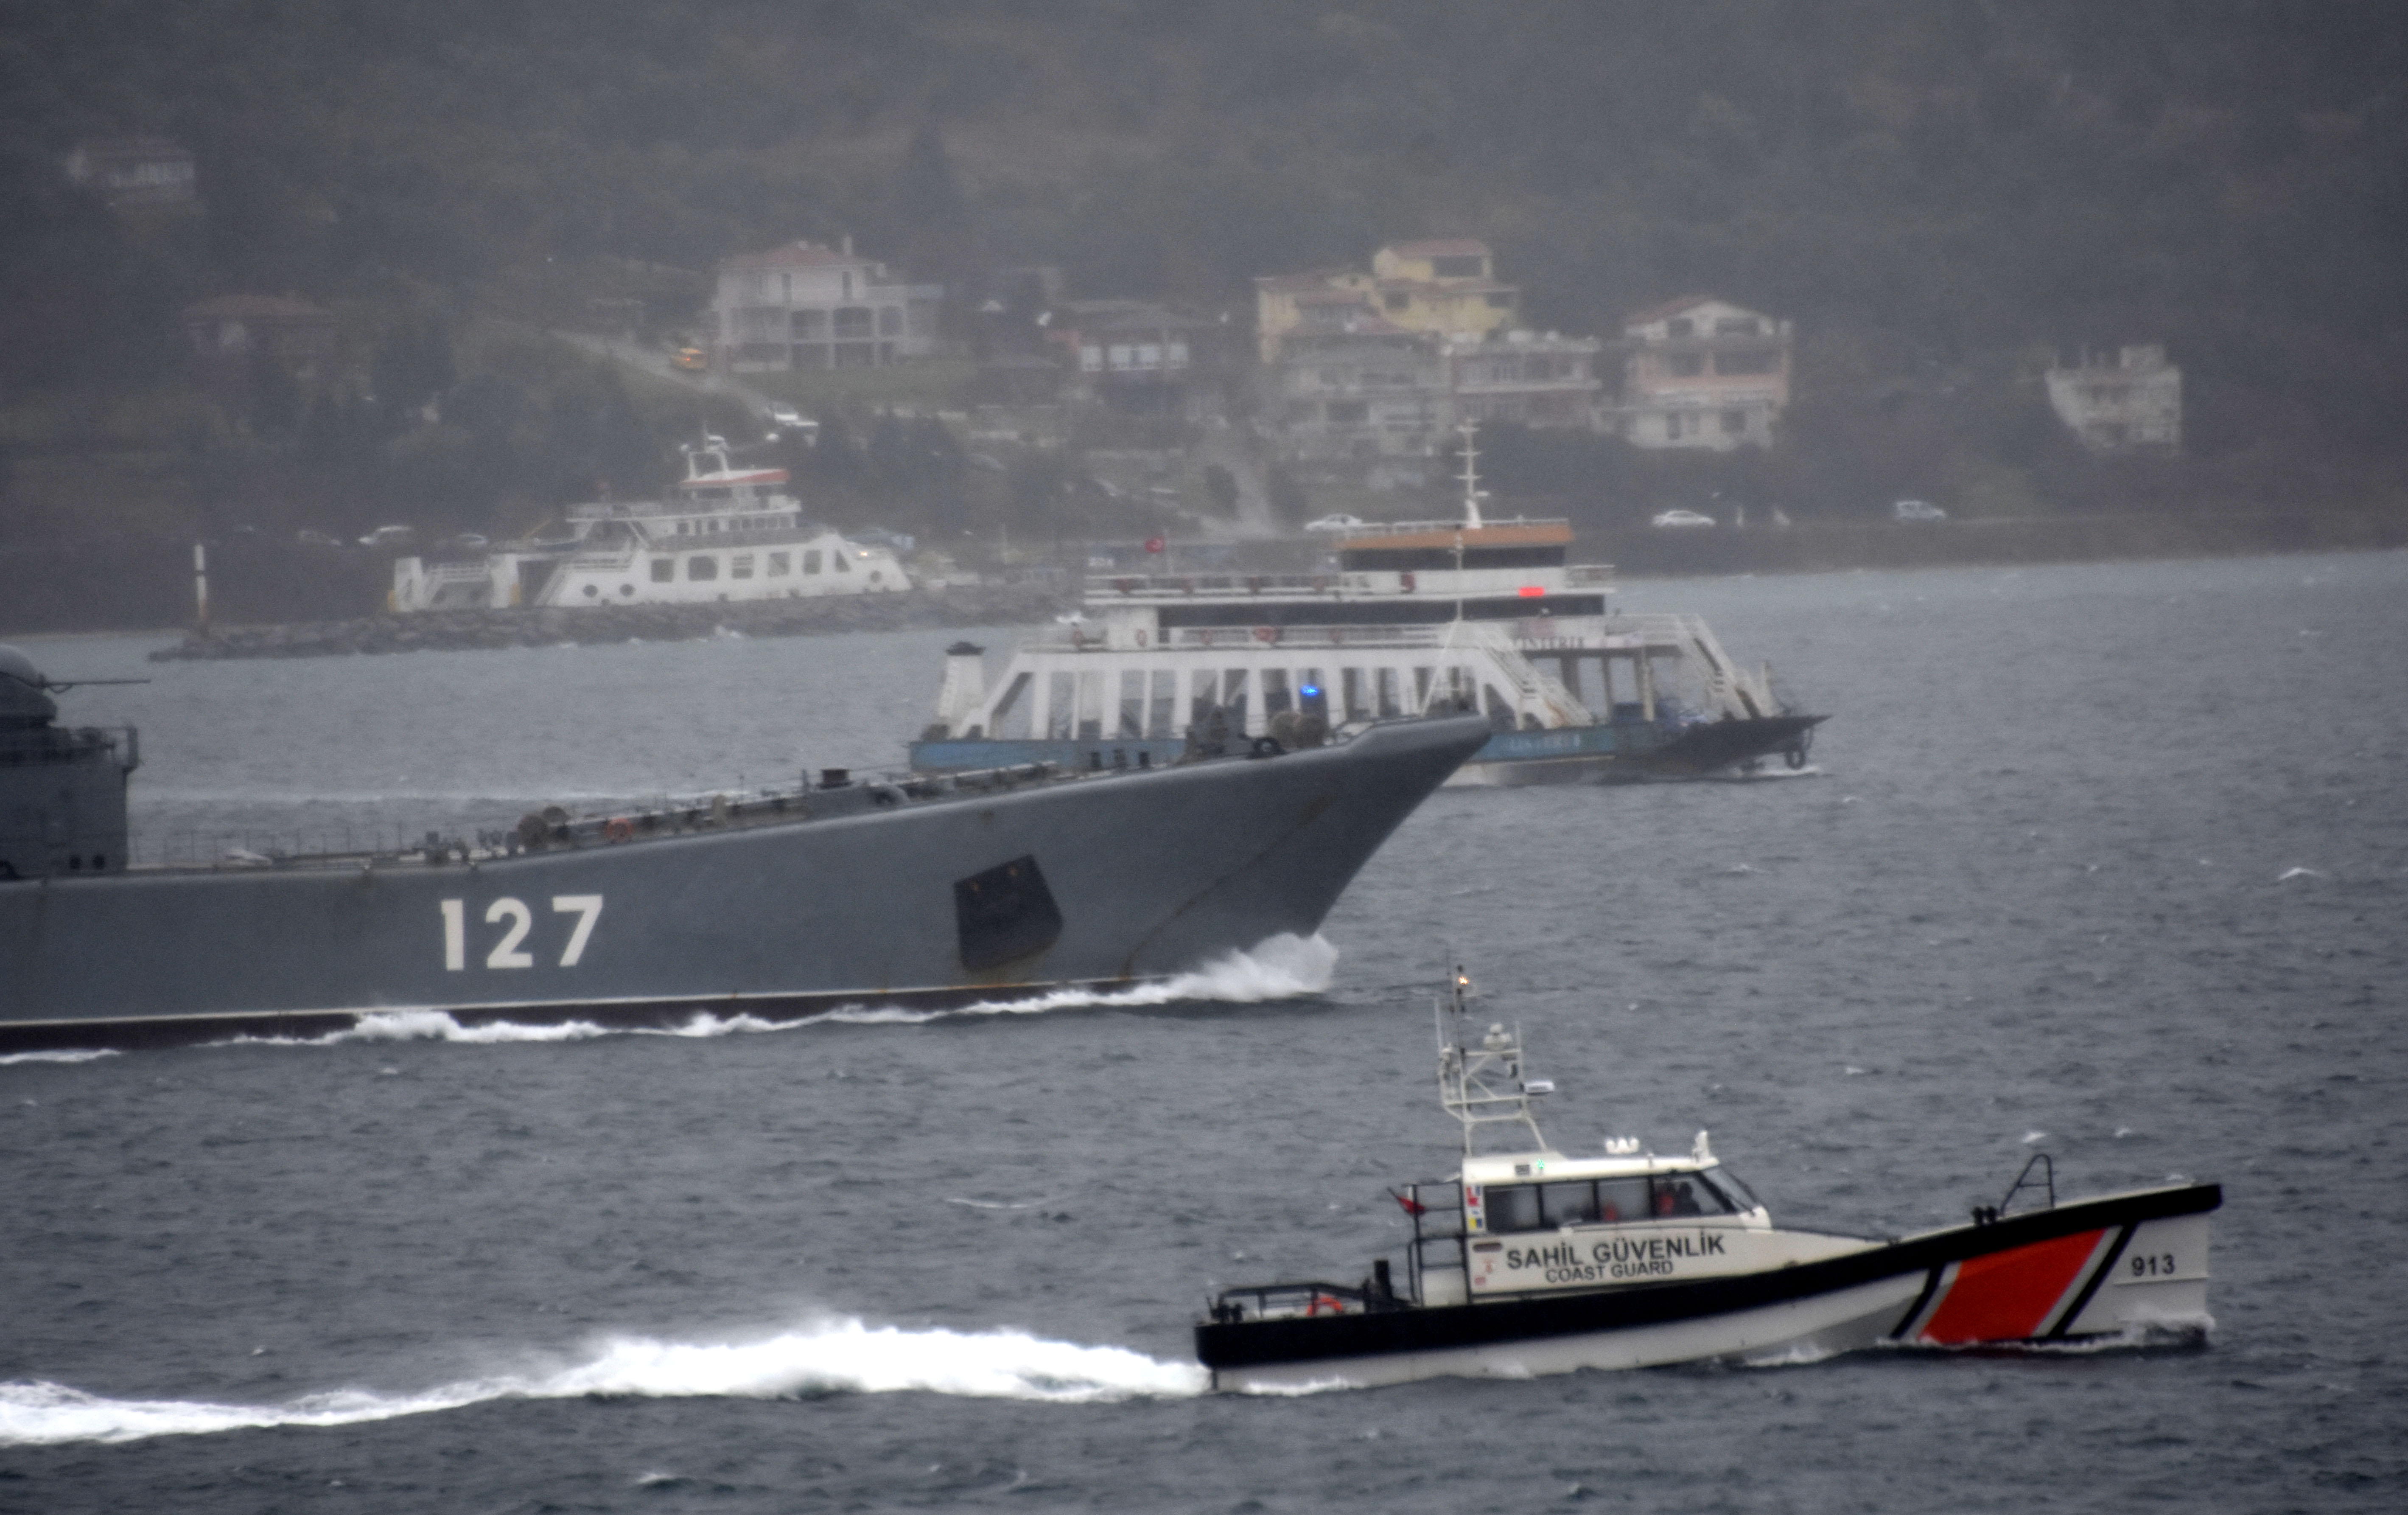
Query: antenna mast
[1482, 1084]
[1471, 475]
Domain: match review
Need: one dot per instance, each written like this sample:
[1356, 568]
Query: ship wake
[834, 1356]
[1281, 968]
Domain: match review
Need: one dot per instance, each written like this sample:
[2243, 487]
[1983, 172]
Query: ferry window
[663, 570]
[1391, 697]
[1275, 700]
[1200, 697]
[837, 561]
[1233, 696]
[702, 565]
[1166, 703]
[1009, 721]
[1622, 1198]
[811, 561]
[1735, 1195]
[1355, 698]
[1311, 697]
[741, 566]
[1061, 706]
[780, 564]
[1501, 708]
[1132, 704]
[1512, 1207]
[1573, 1203]
[1091, 705]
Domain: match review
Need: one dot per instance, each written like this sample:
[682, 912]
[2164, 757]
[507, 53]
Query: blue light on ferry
[1309, 691]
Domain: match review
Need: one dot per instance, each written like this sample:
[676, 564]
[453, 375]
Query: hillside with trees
[1941, 196]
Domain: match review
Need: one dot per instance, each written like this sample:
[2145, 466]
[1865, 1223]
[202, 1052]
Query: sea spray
[835, 1355]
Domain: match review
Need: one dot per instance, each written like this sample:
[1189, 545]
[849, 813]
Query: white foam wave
[60, 1055]
[1281, 968]
[832, 1356]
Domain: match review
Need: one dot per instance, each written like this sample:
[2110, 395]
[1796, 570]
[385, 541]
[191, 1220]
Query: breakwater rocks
[438, 630]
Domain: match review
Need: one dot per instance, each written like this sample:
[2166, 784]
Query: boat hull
[1619, 753]
[978, 893]
[2111, 1266]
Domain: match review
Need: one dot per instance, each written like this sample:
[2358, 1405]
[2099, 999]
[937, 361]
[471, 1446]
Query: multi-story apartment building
[1447, 287]
[1702, 373]
[803, 306]
[2131, 404]
[1534, 379]
[1375, 395]
[1135, 357]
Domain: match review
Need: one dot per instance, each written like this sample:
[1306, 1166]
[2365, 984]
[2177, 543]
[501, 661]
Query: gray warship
[917, 890]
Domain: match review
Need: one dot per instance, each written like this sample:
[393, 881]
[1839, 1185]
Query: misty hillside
[1939, 196]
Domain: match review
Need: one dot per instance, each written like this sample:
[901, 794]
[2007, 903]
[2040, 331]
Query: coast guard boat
[1528, 1261]
[726, 533]
[983, 886]
[1419, 615]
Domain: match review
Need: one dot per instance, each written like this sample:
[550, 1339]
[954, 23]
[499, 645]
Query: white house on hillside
[1702, 373]
[803, 306]
[2132, 404]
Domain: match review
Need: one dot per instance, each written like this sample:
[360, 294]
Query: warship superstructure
[928, 891]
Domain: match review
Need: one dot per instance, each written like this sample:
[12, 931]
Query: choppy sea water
[2110, 861]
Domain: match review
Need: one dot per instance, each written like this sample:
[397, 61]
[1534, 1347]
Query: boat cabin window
[1200, 695]
[1392, 698]
[811, 561]
[1355, 696]
[741, 566]
[780, 564]
[1512, 1207]
[663, 570]
[1581, 1202]
[702, 565]
[1132, 704]
[1166, 703]
[1061, 706]
[1009, 720]
[1275, 698]
[1734, 1194]
[1310, 697]
[835, 559]
[1233, 697]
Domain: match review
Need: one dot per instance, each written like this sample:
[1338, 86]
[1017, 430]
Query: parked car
[1916, 510]
[466, 541]
[1681, 518]
[1341, 522]
[690, 359]
[390, 536]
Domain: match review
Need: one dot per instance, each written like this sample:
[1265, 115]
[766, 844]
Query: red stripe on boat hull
[2008, 1296]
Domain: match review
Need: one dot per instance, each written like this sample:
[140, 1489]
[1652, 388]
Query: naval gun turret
[62, 788]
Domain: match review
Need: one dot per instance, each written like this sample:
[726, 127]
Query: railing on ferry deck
[1138, 586]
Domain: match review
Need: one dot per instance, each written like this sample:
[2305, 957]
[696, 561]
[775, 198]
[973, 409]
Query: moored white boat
[726, 533]
[1530, 1261]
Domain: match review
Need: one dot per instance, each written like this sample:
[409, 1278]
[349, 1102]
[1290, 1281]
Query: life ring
[617, 829]
[1141, 635]
[1405, 582]
[1267, 633]
[1325, 1303]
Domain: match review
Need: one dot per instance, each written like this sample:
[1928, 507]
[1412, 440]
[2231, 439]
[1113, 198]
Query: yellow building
[1447, 286]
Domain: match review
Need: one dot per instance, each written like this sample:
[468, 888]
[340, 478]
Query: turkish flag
[1154, 544]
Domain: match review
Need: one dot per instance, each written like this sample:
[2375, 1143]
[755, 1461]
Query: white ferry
[726, 533]
[1531, 1260]
[1418, 615]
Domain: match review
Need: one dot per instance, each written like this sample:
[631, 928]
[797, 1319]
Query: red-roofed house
[1702, 373]
[803, 306]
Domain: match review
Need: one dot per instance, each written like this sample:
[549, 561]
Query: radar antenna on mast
[1482, 1084]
